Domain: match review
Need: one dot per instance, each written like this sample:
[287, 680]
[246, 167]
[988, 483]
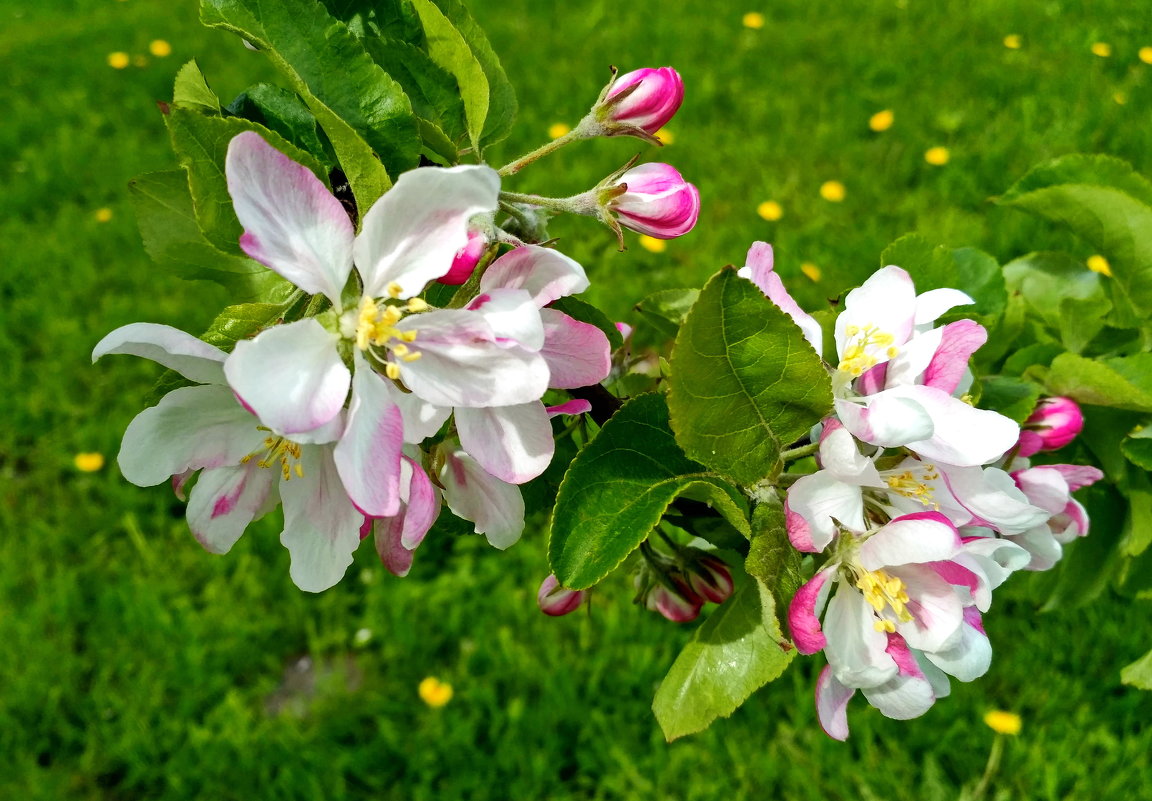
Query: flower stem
[799, 453]
[577, 133]
[989, 769]
[551, 203]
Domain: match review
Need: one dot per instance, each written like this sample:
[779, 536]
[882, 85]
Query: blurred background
[136, 666]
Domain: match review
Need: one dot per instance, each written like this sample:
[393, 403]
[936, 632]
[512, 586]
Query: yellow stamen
[417, 305]
[393, 289]
[392, 370]
[883, 592]
[914, 485]
[278, 450]
[857, 359]
[410, 357]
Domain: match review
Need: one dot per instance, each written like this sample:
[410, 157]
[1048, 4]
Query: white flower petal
[910, 539]
[512, 443]
[193, 358]
[832, 699]
[935, 302]
[225, 500]
[368, 454]
[411, 235]
[291, 376]
[546, 274]
[292, 223]
[855, 650]
[514, 318]
[497, 508]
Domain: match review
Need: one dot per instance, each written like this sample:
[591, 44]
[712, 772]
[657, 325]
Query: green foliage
[191, 91]
[737, 651]
[936, 267]
[587, 313]
[1123, 382]
[1069, 300]
[1012, 397]
[771, 557]
[1138, 448]
[618, 488]
[1139, 673]
[285, 113]
[661, 315]
[1105, 201]
[744, 381]
[365, 113]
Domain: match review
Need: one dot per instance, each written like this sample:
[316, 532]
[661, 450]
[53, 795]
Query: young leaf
[501, 95]
[771, 557]
[1124, 382]
[1103, 200]
[1014, 398]
[174, 240]
[618, 488]
[735, 652]
[201, 144]
[936, 267]
[1138, 448]
[1139, 673]
[1069, 299]
[191, 91]
[448, 49]
[662, 313]
[285, 113]
[744, 381]
[361, 109]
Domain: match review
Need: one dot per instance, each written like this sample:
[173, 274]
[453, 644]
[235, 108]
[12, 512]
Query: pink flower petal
[804, 612]
[578, 354]
[832, 699]
[546, 274]
[512, 443]
[368, 454]
[959, 341]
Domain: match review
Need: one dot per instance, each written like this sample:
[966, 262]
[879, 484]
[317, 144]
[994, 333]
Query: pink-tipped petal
[193, 358]
[1078, 476]
[804, 612]
[654, 101]
[292, 223]
[225, 500]
[578, 354]
[546, 274]
[514, 318]
[571, 408]
[466, 260]
[887, 299]
[910, 539]
[759, 270]
[961, 435]
[368, 454]
[512, 443]
[817, 505]
[937, 611]
[958, 342]
[291, 376]
[832, 699]
[855, 649]
[658, 201]
[412, 234]
[496, 507]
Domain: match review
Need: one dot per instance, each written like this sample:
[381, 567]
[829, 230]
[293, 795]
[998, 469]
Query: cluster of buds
[920, 504]
[678, 584]
[369, 416]
[652, 199]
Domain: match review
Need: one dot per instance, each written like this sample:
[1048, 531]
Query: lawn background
[136, 666]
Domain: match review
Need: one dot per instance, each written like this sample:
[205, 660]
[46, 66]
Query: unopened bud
[645, 99]
[711, 579]
[466, 260]
[1055, 422]
[656, 200]
[555, 600]
[680, 605]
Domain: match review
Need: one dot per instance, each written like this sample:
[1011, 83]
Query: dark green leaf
[737, 651]
[1104, 201]
[1138, 448]
[1123, 383]
[448, 49]
[1070, 300]
[433, 91]
[1139, 673]
[1088, 564]
[937, 267]
[1138, 527]
[662, 313]
[587, 313]
[1038, 353]
[361, 109]
[618, 488]
[174, 240]
[1012, 397]
[191, 91]
[744, 381]
[201, 144]
[285, 113]
[771, 557]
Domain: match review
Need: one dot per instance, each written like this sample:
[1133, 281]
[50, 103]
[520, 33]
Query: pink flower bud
[466, 260]
[555, 600]
[679, 606]
[654, 101]
[657, 201]
[1054, 424]
[711, 580]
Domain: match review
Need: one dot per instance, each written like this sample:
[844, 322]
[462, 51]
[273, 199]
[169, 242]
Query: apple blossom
[644, 99]
[1055, 422]
[654, 199]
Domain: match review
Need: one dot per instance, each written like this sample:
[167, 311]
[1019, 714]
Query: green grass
[137, 666]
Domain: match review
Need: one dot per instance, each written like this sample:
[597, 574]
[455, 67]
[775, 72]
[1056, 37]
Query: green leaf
[201, 144]
[1124, 382]
[661, 315]
[433, 91]
[1138, 527]
[447, 47]
[1104, 201]
[937, 267]
[1139, 673]
[244, 321]
[744, 381]
[979, 275]
[587, 313]
[735, 652]
[1138, 448]
[174, 240]
[618, 488]
[1058, 289]
[361, 109]
[1089, 563]
[501, 95]
[191, 91]
[285, 113]
[1038, 353]
[771, 557]
[1012, 397]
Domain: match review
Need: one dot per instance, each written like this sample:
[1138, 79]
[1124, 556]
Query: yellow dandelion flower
[813, 272]
[118, 60]
[753, 20]
[666, 136]
[1145, 55]
[937, 156]
[434, 692]
[770, 210]
[1101, 49]
[160, 48]
[1003, 722]
[89, 462]
[652, 244]
[833, 191]
[558, 129]
[103, 215]
[881, 120]
[1013, 41]
[1099, 264]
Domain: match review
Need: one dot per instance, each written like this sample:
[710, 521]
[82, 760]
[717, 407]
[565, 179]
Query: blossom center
[884, 592]
[860, 349]
[279, 450]
[914, 484]
[376, 329]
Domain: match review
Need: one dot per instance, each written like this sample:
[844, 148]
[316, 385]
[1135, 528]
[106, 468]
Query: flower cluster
[917, 507]
[343, 417]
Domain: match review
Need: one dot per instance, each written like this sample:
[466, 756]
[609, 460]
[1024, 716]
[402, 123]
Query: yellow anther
[882, 338]
[392, 370]
[852, 330]
[408, 336]
[411, 357]
[417, 305]
[883, 591]
[884, 625]
[278, 450]
[893, 351]
[400, 350]
[394, 290]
